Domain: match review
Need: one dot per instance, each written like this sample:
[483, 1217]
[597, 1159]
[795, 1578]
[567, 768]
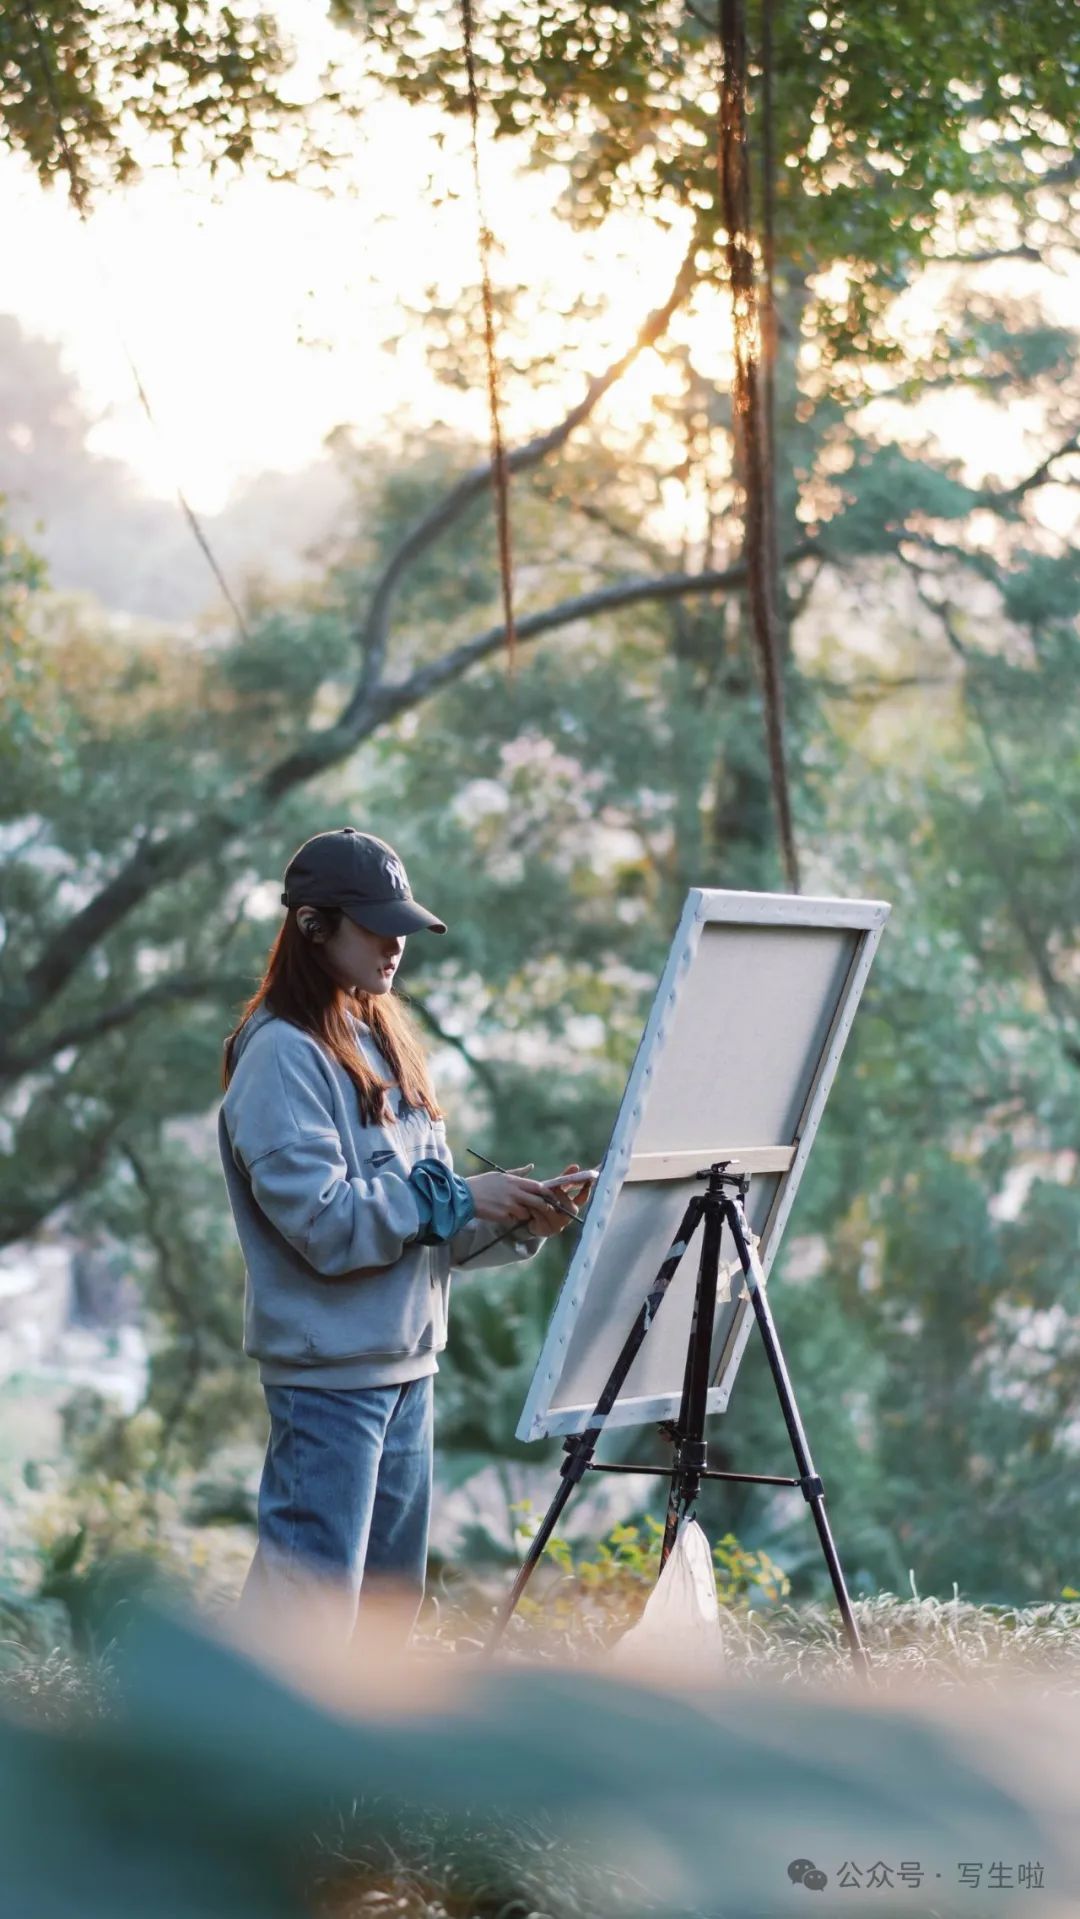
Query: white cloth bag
[681, 1621]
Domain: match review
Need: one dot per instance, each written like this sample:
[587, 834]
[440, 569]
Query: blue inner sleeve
[444, 1199]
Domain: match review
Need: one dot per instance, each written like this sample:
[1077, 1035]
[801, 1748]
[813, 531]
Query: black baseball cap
[361, 874]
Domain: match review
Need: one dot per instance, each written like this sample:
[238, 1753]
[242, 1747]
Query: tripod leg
[690, 1451]
[671, 1518]
[813, 1490]
[581, 1449]
[531, 1561]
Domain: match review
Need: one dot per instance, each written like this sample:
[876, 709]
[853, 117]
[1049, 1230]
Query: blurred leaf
[217, 1777]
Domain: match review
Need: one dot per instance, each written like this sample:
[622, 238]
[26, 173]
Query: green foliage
[278, 668]
[880, 119]
[198, 79]
[610, 1588]
[29, 724]
[110, 1523]
[884, 491]
[1044, 589]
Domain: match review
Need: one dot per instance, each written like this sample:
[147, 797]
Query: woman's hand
[546, 1220]
[504, 1198]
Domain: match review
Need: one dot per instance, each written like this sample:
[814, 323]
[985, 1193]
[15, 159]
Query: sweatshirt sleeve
[283, 1133]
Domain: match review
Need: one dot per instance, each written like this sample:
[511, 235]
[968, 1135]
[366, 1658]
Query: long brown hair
[297, 988]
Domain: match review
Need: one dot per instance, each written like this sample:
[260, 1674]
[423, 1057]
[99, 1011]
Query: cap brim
[393, 916]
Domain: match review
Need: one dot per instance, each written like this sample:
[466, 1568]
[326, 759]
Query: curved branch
[482, 1068]
[588, 510]
[85, 1160]
[395, 697]
[375, 632]
[998, 497]
[182, 986]
[980, 256]
[156, 862]
[152, 863]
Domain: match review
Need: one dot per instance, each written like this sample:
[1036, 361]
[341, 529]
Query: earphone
[314, 927]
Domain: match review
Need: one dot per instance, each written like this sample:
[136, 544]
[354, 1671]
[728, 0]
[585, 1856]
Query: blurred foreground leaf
[202, 1793]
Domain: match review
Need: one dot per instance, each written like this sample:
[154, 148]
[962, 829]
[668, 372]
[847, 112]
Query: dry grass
[942, 1642]
[423, 1865]
[436, 1871]
[53, 1690]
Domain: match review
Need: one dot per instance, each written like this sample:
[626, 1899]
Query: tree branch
[181, 987]
[156, 862]
[868, 690]
[396, 697]
[85, 1160]
[152, 863]
[374, 634]
[984, 255]
[482, 1068]
[588, 510]
[1008, 496]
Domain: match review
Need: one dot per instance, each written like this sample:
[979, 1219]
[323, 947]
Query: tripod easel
[718, 1206]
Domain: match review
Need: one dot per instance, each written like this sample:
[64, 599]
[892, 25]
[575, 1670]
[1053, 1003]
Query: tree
[164, 855]
[966, 592]
[155, 855]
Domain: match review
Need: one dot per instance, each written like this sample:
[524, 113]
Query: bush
[604, 1595]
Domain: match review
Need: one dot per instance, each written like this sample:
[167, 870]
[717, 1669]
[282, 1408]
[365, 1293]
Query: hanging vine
[499, 470]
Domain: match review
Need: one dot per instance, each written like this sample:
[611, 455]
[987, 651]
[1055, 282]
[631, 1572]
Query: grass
[54, 1690]
[943, 1642]
[431, 1873]
[425, 1866]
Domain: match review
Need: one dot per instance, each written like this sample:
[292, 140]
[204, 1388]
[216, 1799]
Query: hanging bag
[681, 1620]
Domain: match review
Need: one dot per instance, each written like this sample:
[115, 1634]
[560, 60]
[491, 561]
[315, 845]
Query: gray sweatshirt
[335, 1295]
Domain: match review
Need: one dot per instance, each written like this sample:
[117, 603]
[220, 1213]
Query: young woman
[350, 1217]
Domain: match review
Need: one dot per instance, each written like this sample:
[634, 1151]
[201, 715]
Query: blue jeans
[346, 1489]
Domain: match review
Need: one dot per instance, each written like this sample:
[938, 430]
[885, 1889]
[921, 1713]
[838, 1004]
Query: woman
[350, 1217]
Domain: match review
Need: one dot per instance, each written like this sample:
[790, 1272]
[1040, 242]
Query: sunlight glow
[263, 315]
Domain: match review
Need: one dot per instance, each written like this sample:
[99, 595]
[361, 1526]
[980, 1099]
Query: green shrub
[610, 1587]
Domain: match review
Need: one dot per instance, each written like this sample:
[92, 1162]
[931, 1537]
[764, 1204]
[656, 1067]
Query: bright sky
[256, 313]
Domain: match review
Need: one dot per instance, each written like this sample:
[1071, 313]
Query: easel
[718, 1206]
